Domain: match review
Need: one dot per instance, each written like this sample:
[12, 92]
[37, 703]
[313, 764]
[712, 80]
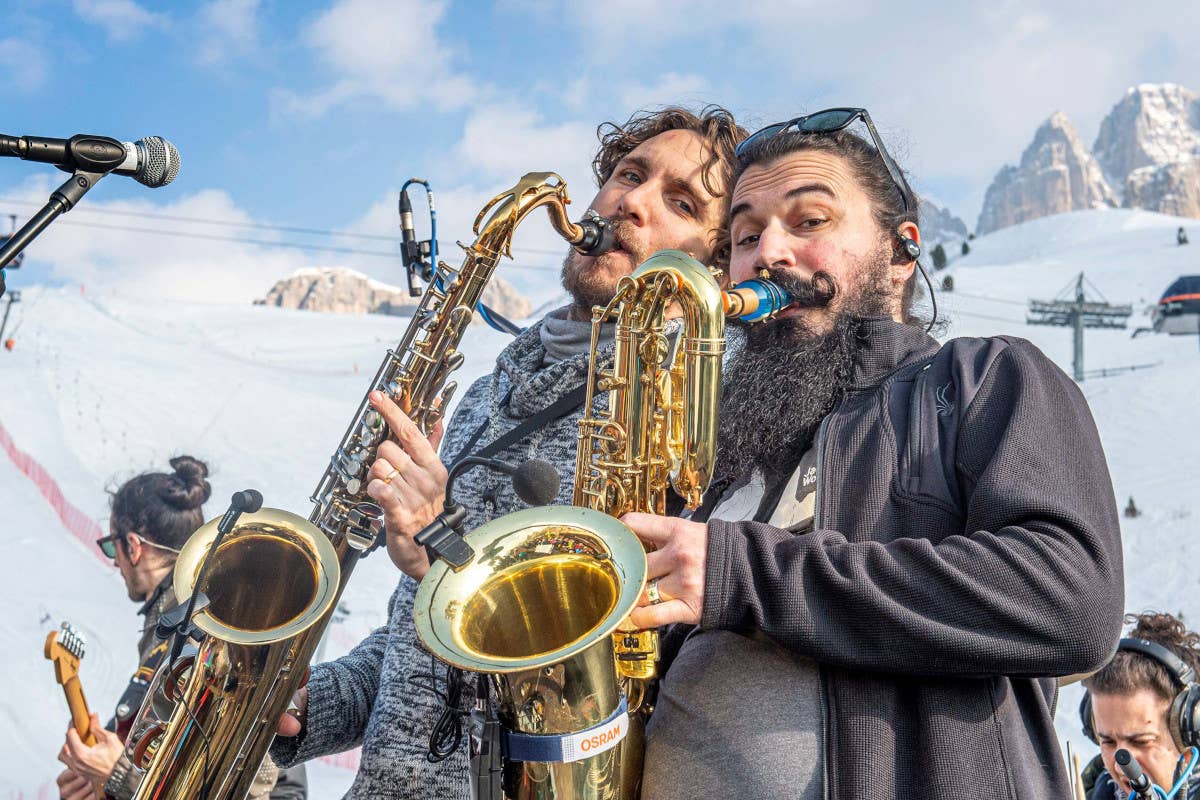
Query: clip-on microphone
[535, 482]
[248, 500]
[419, 257]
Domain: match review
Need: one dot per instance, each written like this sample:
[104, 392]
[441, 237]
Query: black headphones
[1183, 718]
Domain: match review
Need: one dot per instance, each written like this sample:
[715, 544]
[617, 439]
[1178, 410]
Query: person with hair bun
[1130, 705]
[152, 517]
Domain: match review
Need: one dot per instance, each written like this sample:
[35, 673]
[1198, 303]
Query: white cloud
[498, 144]
[23, 65]
[229, 29]
[122, 20]
[960, 87]
[388, 50]
[509, 140]
[93, 248]
[671, 88]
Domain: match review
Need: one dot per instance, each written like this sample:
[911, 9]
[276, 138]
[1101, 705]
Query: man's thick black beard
[788, 377]
[776, 392]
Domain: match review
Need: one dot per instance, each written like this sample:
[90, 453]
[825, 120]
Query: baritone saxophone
[275, 578]
[542, 610]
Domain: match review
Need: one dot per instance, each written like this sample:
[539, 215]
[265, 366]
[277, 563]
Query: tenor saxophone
[542, 610]
[274, 580]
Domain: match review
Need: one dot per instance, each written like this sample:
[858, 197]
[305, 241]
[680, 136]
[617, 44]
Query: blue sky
[313, 113]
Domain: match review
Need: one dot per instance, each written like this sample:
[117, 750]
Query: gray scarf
[563, 338]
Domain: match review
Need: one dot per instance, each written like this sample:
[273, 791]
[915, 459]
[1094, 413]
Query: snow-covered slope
[1149, 419]
[98, 388]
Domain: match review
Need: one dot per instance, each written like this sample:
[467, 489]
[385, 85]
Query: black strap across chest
[561, 407]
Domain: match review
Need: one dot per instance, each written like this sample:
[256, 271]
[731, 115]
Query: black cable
[266, 243]
[262, 226]
[932, 299]
[446, 736]
[203, 734]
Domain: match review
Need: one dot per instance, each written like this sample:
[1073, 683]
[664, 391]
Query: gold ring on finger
[391, 475]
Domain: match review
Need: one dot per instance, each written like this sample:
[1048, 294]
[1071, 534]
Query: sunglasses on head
[832, 120]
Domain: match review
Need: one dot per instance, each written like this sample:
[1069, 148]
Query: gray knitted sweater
[367, 697]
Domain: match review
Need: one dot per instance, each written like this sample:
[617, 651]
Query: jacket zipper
[827, 745]
[916, 438]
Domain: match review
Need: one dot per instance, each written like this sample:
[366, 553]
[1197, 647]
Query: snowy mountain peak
[1152, 125]
[1056, 174]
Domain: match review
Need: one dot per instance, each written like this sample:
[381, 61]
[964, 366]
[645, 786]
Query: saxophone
[542, 610]
[274, 580]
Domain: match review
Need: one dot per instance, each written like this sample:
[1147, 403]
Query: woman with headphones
[1147, 701]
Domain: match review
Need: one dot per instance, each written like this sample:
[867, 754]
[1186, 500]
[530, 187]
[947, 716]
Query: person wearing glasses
[905, 537]
[152, 517]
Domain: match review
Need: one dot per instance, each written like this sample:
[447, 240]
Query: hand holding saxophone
[408, 480]
[291, 723]
[674, 570]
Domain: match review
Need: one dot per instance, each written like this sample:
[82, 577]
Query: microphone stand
[62, 200]
[248, 500]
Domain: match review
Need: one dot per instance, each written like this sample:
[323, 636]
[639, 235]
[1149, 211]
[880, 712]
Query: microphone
[152, 161]
[248, 500]
[1133, 772]
[535, 482]
[408, 249]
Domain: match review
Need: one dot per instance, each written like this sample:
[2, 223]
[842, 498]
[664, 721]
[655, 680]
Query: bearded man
[663, 181]
[907, 536]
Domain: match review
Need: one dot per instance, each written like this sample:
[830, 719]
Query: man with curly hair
[1130, 704]
[663, 178]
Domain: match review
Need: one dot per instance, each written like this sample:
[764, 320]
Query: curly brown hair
[1130, 671]
[714, 124]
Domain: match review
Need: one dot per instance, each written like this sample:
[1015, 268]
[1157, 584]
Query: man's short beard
[789, 376]
[591, 283]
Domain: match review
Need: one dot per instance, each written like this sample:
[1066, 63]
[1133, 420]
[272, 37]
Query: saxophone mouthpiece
[756, 300]
[598, 235]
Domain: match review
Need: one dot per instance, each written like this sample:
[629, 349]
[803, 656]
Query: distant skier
[1181, 236]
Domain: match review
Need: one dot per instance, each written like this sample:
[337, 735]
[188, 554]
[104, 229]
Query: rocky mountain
[939, 226]
[1146, 155]
[1149, 147]
[1169, 189]
[1056, 174]
[1152, 125]
[345, 291]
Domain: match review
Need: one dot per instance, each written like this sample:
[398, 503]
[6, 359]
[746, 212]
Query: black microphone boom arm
[61, 201]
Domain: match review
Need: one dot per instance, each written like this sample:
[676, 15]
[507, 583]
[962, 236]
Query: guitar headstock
[65, 648]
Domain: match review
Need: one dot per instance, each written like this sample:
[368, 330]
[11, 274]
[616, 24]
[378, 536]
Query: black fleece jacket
[936, 624]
